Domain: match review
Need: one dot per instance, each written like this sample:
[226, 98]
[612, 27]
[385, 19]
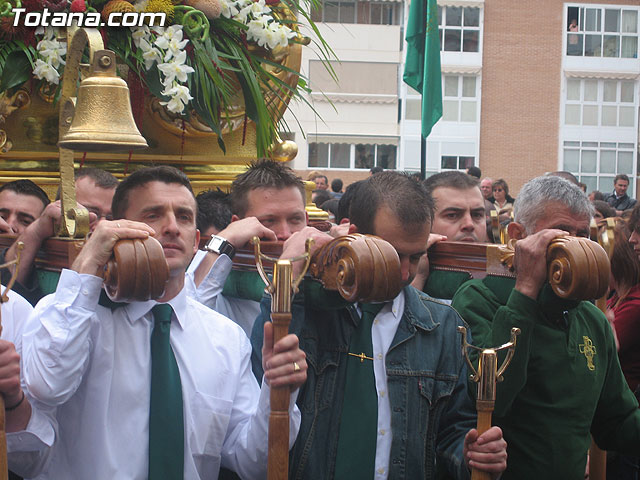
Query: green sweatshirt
[564, 381]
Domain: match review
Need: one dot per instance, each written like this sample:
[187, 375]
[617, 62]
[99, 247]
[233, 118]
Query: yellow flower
[160, 6]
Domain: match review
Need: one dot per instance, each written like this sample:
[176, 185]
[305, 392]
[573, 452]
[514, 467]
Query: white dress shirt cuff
[79, 290]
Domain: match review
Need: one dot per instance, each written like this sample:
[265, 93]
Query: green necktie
[166, 425]
[359, 420]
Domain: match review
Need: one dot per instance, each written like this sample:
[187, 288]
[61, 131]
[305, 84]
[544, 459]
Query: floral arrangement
[196, 64]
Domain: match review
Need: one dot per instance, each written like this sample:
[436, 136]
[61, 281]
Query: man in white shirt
[97, 364]
[29, 425]
[267, 201]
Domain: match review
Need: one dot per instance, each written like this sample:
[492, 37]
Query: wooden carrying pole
[486, 376]
[282, 288]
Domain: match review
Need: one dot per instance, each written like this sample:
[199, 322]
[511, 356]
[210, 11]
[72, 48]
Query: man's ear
[197, 242]
[306, 217]
[235, 218]
[353, 229]
[344, 220]
[516, 231]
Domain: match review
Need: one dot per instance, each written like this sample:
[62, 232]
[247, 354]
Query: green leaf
[152, 77]
[17, 70]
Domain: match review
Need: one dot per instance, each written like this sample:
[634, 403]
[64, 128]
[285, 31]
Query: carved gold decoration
[9, 104]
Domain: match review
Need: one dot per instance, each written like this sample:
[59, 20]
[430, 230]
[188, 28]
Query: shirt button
[379, 356]
[382, 393]
[382, 431]
[85, 292]
[381, 470]
[375, 322]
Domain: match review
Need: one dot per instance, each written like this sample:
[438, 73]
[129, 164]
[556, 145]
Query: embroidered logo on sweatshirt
[588, 349]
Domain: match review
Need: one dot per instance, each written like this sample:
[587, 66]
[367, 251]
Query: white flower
[259, 8]
[175, 48]
[174, 32]
[151, 56]
[180, 96]
[138, 34]
[175, 69]
[46, 71]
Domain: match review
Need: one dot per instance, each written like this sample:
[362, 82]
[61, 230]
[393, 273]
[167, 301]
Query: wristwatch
[219, 245]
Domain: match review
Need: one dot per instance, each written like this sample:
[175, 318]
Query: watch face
[215, 243]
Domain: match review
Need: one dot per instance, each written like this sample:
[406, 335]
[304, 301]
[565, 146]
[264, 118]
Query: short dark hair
[604, 208]
[336, 185]
[262, 174]
[213, 210]
[101, 178]
[345, 201]
[27, 187]
[375, 170]
[597, 195]
[406, 198]
[620, 176]
[452, 179]
[164, 174]
[331, 206]
[321, 196]
[474, 172]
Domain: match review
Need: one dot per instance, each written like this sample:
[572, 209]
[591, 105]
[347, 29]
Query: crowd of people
[179, 386]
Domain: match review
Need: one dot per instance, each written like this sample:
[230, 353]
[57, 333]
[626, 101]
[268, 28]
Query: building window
[605, 103]
[459, 100]
[459, 29]
[597, 163]
[453, 162]
[364, 12]
[602, 32]
[352, 155]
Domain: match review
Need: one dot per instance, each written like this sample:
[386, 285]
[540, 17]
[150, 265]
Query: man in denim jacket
[424, 414]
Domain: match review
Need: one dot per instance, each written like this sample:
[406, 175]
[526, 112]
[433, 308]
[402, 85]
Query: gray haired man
[565, 381]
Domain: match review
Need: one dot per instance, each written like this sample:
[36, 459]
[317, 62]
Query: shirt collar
[137, 310]
[395, 308]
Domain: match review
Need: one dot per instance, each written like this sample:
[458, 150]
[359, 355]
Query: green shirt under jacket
[564, 381]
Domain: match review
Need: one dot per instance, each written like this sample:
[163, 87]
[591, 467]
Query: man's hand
[423, 266]
[98, 249]
[339, 230]
[10, 373]
[295, 245]
[487, 452]
[239, 233]
[279, 361]
[530, 261]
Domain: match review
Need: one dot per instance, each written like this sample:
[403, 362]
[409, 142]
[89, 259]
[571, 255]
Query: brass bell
[100, 119]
